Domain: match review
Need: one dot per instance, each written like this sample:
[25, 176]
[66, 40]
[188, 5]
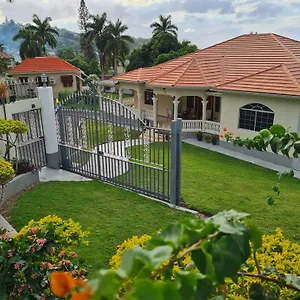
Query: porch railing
[197, 125]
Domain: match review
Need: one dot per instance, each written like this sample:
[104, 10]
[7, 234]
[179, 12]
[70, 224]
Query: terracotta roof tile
[269, 57]
[5, 55]
[43, 64]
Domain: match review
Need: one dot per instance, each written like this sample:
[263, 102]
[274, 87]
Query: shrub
[276, 253]
[40, 248]
[64, 93]
[7, 173]
[24, 166]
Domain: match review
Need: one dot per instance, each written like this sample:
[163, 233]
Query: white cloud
[189, 30]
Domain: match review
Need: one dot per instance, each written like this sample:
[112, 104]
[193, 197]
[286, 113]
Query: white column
[121, 96]
[154, 99]
[49, 125]
[204, 105]
[139, 95]
[176, 103]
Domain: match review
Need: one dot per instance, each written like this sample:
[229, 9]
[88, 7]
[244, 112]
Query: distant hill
[66, 38]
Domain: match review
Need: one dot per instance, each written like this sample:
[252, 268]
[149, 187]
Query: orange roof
[251, 62]
[5, 55]
[43, 64]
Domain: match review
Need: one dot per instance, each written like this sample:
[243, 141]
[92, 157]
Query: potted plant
[207, 138]
[215, 139]
[200, 136]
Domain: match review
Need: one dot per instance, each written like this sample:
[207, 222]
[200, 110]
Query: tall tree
[44, 32]
[2, 47]
[118, 42]
[97, 33]
[30, 46]
[83, 16]
[164, 26]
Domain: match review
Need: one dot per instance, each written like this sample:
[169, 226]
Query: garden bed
[20, 183]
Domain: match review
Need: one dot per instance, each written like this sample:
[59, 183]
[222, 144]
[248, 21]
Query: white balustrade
[191, 125]
[197, 125]
[212, 127]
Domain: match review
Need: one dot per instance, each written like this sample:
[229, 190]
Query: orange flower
[231, 133]
[61, 283]
[225, 129]
[221, 136]
[85, 295]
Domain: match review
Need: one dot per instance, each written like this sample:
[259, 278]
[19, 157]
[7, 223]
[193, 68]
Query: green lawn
[109, 213]
[212, 182]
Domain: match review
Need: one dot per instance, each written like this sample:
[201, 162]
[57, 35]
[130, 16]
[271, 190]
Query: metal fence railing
[31, 145]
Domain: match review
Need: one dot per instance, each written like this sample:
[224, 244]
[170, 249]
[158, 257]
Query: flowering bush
[40, 248]
[276, 253]
[226, 134]
[7, 173]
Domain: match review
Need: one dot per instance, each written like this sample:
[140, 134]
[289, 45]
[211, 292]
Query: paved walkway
[241, 156]
[48, 174]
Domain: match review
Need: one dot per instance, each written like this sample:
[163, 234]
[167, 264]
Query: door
[296, 163]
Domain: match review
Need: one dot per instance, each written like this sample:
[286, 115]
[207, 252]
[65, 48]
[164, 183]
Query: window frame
[252, 107]
[148, 100]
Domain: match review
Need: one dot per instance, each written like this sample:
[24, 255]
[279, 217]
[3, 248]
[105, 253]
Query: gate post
[176, 140]
[49, 125]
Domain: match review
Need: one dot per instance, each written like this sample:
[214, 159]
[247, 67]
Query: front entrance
[102, 139]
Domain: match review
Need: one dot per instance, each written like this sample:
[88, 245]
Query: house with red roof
[244, 84]
[60, 73]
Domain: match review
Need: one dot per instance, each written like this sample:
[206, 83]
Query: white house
[244, 84]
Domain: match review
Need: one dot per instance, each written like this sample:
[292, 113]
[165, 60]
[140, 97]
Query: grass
[110, 214]
[212, 182]
[101, 134]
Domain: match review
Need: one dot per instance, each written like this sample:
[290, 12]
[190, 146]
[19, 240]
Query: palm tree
[118, 43]
[44, 32]
[30, 46]
[2, 47]
[164, 26]
[97, 33]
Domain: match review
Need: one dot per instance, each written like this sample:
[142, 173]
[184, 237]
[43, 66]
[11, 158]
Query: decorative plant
[215, 139]
[23, 166]
[200, 135]
[218, 248]
[40, 248]
[9, 133]
[207, 138]
[7, 173]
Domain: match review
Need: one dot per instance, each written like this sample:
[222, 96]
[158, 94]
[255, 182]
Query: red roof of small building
[3, 54]
[264, 63]
[43, 64]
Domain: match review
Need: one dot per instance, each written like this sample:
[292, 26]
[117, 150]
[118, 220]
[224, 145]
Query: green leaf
[108, 284]
[276, 189]
[204, 289]
[187, 283]
[158, 255]
[278, 130]
[203, 261]
[297, 147]
[226, 257]
[276, 144]
[173, 235]
[256, 236]
[265, 133]
[270, 200]
[130, 264]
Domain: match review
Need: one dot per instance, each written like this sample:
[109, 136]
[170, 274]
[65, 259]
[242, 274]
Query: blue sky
[204, 22]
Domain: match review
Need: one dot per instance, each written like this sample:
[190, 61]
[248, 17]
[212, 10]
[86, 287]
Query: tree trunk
[101, 61]
[115, 64]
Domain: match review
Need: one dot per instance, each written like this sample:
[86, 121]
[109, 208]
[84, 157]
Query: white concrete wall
[14, 108]
[287, 111]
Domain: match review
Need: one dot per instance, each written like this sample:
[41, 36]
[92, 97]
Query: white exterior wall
[58, 86]
[286, 110]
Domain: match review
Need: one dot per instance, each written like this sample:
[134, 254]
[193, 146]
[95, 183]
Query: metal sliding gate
[102, 139]
[31, 145]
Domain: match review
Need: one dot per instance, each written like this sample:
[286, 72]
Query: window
[217, 104]
[148, 97]
[67, 80]
[23, 80]
[256, 116]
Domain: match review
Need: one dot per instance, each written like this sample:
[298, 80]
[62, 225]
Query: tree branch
[274, 280]
[184, 253]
